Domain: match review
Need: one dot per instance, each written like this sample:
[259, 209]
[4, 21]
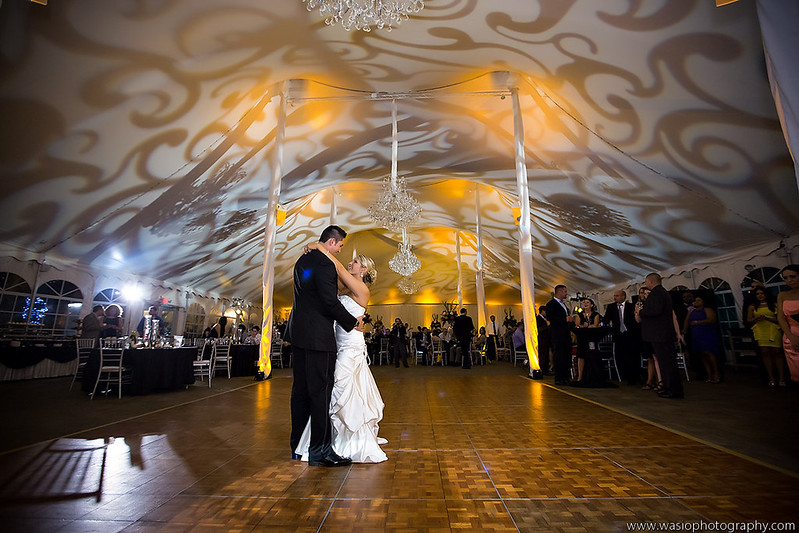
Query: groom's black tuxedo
[316, 305]
[313, 342]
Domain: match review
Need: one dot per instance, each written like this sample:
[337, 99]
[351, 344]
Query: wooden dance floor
[479, 450]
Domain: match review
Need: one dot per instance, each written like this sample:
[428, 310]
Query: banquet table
[151, 369]
[243, 358]
[37, 358]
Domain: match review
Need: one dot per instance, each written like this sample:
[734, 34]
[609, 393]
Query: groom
[313, 345]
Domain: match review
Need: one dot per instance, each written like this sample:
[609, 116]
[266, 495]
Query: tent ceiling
[139, 137]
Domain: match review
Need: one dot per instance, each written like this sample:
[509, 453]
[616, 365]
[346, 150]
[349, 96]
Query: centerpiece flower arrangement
[510, 321]
[450, 312]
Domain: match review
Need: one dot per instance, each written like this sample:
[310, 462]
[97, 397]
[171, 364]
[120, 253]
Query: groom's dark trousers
[310, 395]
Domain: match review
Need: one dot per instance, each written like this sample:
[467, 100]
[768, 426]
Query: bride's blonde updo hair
[371, 272]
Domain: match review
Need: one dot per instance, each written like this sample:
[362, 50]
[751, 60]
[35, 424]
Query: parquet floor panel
[467, 451]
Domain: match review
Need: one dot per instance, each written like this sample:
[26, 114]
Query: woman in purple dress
[704, 337]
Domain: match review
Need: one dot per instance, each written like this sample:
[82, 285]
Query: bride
[356, 406]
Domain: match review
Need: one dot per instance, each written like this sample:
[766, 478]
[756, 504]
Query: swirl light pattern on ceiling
[137, 135]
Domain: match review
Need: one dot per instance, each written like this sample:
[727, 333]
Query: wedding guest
[218, 329]
[761, 315]
[447, 341]
[561, 322]
[241, 334]
[398, 343]
[92, 324]
[657, 327]
[493, 331]
[701, 322]
[254, 336]
[424, 343]
[519, 342]
[482, 338]
[788, 316]
[463, 328]
[653, 380]
[626, 335]
[113, 321]
[587, 317]
[152, 311]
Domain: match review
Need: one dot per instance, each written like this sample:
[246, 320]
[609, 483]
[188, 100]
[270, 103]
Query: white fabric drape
[778, 23]
[526, 273]
[270, 230]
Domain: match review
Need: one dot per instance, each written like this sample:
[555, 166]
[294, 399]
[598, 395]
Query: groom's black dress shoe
[331, 460]
[296, 456]
[671, 395]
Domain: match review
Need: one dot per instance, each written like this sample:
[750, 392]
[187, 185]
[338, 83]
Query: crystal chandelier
[394, 208]
[404, 261]
[363, 14]
[408, 285]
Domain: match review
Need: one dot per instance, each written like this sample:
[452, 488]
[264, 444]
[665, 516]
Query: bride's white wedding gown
[356, 406]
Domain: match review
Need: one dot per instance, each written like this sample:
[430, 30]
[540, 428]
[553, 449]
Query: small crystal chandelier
[408, 285]
[394, 208]
[363, 14]
[405, 261]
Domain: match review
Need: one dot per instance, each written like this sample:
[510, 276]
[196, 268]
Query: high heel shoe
[659, 387]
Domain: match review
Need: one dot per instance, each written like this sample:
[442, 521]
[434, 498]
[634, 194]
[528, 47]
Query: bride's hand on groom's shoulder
[315, 245]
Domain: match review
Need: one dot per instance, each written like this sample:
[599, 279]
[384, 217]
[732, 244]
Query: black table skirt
[28, 353]
[152, 369]
[243, 358]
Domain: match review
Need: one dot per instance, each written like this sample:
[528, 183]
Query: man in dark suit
[397, 342]
[492, 330]
[560, 326]
[657, 328]
[313, 342]
[462, 328]
[621, 317]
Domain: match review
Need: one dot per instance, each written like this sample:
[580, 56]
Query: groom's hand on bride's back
[359, 325]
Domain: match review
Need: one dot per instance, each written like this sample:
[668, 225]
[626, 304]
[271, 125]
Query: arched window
[725, 310]
[15, 297]
[768, 276]
[62, 301]
[108, 296]
[195, 319]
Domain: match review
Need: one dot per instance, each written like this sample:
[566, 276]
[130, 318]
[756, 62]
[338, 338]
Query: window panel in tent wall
[195, 320]
[60, 318]
[14, 298]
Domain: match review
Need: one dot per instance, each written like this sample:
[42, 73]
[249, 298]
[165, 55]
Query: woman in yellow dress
[788, 316]
[762, 318]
